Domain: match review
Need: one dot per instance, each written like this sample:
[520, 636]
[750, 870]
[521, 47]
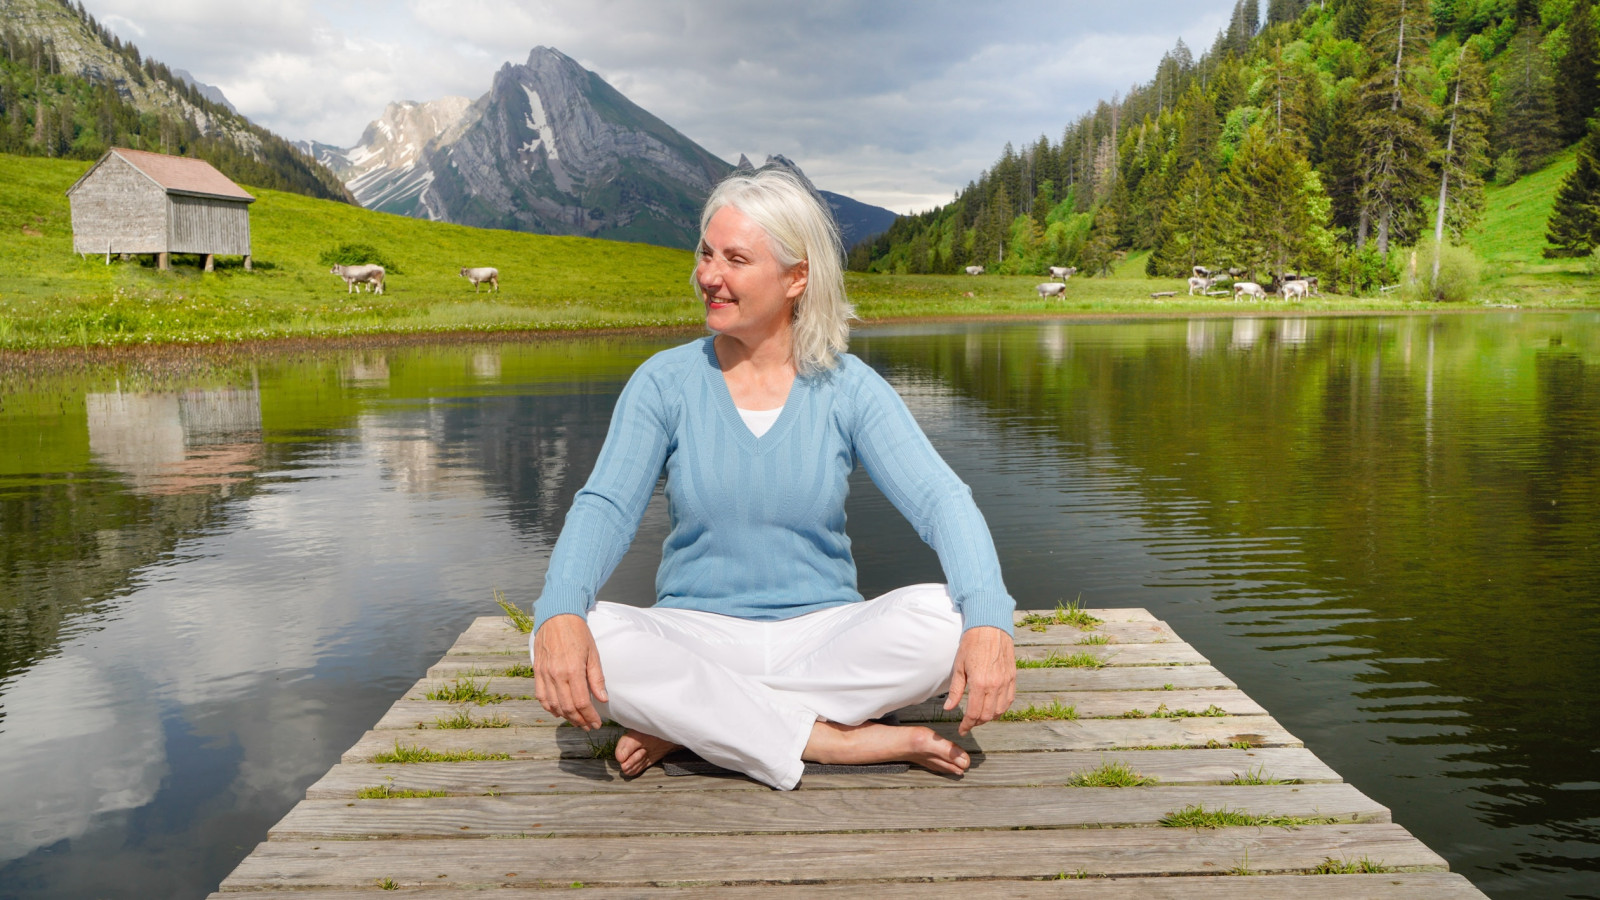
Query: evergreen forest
[1313, 136]
[46, 109]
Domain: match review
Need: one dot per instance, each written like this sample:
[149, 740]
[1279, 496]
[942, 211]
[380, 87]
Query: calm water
[1386, 530]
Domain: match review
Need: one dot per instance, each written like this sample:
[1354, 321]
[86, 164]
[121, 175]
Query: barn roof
[176, 174]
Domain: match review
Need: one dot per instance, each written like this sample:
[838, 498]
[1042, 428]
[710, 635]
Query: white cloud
[896, 103]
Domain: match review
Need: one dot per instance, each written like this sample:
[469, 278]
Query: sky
[895, 103]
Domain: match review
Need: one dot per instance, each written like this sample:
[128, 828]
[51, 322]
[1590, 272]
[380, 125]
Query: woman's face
[749, 295]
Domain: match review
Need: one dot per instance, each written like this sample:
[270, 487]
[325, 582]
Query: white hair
[799, 228]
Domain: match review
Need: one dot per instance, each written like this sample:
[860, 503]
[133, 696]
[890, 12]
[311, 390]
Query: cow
[974, 270]
[1052, 289]
[479, 276]
[1063, 272]
[1201, 284]
[1249, 287]
[1294, 290]
[354, 275]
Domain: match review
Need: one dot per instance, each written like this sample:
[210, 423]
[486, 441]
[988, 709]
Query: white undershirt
[759, 421]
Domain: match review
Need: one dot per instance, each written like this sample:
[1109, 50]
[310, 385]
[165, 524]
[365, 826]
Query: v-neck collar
[730, 413]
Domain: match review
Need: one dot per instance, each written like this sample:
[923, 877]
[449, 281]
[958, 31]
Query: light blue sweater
[758, 523]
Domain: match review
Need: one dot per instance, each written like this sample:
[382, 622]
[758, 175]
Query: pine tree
[1574, 226]
[1526, 122]
[1395, 143]
[1580, 71]
[1104, 237]
[1189, 234]
[1466, 153]
[1281, 206]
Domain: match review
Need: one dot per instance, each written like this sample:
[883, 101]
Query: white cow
[1294, 290]
[1198, 283]
[1063, 272]
[354, 275]
[1052, 289]
[479, 276]
[1249, 287]
[974, 270]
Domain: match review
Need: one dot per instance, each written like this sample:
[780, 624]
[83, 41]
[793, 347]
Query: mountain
[209, 91]
[389, 169]
[71, 88]
[552, 149]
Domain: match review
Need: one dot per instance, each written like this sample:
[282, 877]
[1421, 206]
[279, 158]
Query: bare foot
[877, 743]
[637, 751]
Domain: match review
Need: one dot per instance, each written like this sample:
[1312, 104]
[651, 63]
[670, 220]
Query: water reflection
[175, 441]
[1383, 529]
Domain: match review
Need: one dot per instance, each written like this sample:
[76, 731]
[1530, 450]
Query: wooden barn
[134, 201]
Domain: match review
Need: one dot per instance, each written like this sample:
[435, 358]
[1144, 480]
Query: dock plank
[413, 714]
[1388, 886]
[494, 635]
[791, 812]
[566, 742]
[1288, 764]
[486, 670]
[1174, 653]
[724, 859]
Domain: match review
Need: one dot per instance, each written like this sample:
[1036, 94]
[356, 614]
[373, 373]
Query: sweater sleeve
[605, 514]
[938, 504]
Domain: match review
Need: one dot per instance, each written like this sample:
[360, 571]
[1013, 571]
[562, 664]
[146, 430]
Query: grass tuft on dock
[1082, 659]
[1197, 816]
[1115, 773]
[466, 690]
[1064, 614]
[520, 620]
[1362, 866]
[414, 754]
[1033, 713]
[463, 719]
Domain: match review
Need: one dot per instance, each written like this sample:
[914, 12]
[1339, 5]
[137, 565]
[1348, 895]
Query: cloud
[896, 103]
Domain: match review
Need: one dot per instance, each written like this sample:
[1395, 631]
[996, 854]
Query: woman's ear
[798, 275]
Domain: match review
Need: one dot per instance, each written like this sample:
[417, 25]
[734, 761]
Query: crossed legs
[761, 697]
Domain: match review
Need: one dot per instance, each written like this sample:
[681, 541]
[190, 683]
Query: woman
[759, 653]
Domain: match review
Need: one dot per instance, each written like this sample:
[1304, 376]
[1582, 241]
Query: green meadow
[52, 298]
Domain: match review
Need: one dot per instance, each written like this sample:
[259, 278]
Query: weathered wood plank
[723, 859]
[1170, 654]
[567, 742]
[494, 635]
[413, 714]
[1288, 764]
[1111, 678]
[784, 812]
[1174, 653]
[1107, 704]
[1391, 886]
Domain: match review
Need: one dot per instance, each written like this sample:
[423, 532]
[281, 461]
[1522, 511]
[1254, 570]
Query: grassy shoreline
[53, 300]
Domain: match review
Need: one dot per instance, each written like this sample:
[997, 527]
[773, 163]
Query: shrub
[1458, 274]
[358, 255]
[1507, 167]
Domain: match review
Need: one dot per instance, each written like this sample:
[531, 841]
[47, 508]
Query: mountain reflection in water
[1384, 529]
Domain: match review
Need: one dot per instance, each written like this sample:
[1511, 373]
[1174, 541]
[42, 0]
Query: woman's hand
[566, 670]
[986, 667]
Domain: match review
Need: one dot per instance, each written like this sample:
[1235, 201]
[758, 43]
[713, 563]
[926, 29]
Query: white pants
[745, 694]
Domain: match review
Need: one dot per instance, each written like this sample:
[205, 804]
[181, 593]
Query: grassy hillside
[1512, 240]
[51, 297]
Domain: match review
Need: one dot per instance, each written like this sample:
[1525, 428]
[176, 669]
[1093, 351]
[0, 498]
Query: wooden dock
[539, 806]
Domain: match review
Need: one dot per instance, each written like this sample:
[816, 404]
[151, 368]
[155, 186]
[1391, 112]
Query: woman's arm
[601, 524]
[937, 503]
[605, 514]
[910, 472]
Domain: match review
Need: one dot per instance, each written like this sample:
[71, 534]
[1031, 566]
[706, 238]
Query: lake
[216, 572]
